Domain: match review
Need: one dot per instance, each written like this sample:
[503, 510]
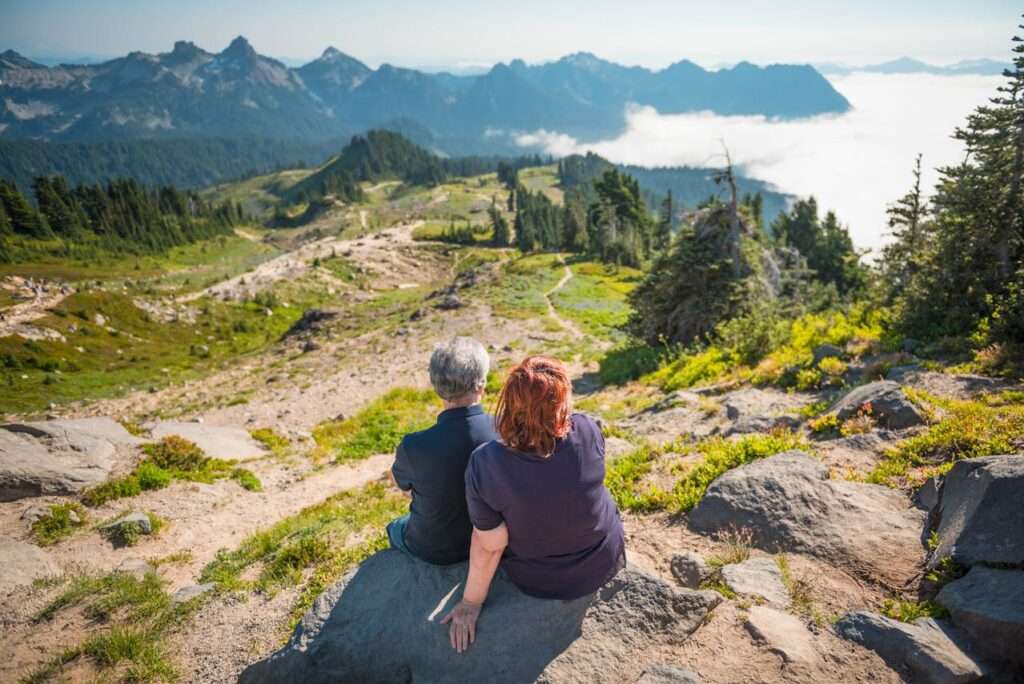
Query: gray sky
[477, 32]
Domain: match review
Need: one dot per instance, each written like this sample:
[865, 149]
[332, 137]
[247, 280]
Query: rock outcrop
[789, 503]
[690, 569]
[382, 624]
[988, 604]
[782, 633]
[214, 440]
[889, 406]
[60, 456]
[980, 516]
[928, 650]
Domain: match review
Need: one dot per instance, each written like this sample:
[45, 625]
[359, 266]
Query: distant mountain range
[189, 92]
[908, 65]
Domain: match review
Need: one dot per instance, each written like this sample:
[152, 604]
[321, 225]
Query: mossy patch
[61, 522]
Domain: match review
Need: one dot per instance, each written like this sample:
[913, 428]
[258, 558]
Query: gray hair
[458, 367]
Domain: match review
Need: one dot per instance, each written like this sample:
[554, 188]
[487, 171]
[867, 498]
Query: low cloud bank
[855, 163]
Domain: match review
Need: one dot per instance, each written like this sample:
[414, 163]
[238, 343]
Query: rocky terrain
[228, 523]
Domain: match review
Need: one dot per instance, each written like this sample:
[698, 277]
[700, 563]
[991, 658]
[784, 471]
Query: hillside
[189, 92]
[299, 356]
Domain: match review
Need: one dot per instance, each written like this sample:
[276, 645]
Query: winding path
[553, 312]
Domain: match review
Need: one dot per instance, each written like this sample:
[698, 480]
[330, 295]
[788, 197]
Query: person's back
[432, 464]
[564, 532]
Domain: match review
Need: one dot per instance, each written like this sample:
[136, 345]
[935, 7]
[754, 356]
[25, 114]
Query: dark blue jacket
[432, 464]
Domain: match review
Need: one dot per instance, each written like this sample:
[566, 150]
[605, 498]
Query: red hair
[535, 406]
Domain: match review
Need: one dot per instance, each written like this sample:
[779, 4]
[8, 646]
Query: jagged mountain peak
[239, 49]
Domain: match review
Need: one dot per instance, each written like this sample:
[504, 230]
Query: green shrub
[703, 366]
[152, 476]
[967, 429]
[177, 453]
[908, 611]
[62, 520]
[628, 362]
[274, 442]
[247, 479]
[118, 488]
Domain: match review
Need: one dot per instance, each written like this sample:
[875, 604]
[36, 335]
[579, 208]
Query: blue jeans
[396, 534]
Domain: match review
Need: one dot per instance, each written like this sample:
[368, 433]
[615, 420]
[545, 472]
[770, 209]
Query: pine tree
[499, 224]
[907, 220]
[663, 230]
[25, 220]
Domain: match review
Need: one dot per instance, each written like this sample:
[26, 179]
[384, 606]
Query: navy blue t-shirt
[565, 537]
[432, 463]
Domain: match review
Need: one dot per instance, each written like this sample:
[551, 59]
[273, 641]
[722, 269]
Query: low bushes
[172, 458]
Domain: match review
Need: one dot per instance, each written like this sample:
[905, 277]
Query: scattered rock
[902, 373]
[23, 563]
[418, 314]
[889, 406]
[746, 425]
[125, 528]
[615, 447]
[789, 503]
[826, 351]
[758, 577]
[190, 592]
[218, 442]
[351, 632]
[929, 650]
[690, 569]
[60, 456]
[309, 346]
[99, 319]
[668, 674]
[988, 604]
[927, 495]
[449, 303]
[782, 633]
[980, 516]
[312, 321]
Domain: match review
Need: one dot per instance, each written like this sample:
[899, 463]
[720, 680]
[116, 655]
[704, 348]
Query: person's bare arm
[485, 551]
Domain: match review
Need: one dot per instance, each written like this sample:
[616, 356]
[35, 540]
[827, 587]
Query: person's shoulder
[585, 423]
[419, 439]
[486, 451]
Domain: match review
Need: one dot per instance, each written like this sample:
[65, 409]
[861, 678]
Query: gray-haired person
[431, 464]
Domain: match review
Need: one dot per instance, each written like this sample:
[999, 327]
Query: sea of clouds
[855, 163]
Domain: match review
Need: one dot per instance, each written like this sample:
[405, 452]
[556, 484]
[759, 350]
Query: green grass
[595, 298]
[519, 292]
[172, 458]
[378, 427]
[310, 548]
[129, 534]
[61, 522]
[908, 611]
[989, 426]
[134, 616]
[624, 476]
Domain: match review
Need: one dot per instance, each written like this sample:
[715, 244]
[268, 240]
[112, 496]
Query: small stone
[34, 513]
[690, 569]
[826, 351]
[759, 577]
[782, 633]
[190, 592]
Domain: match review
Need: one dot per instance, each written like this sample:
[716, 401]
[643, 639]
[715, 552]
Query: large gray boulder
[988, 604]
[382, 624]
[930, 651]
[216, 441]
[789, 504]
[60, 456]
[889, 406]
[980, 513]
[23, 563]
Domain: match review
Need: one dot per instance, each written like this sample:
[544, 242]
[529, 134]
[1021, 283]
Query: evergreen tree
[499, 224]
[967, 278]
[663, 229]
[574, 222]
[25, 220]
[826, 245]
[908, 222]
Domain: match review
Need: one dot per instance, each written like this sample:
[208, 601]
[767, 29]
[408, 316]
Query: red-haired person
[537, 499]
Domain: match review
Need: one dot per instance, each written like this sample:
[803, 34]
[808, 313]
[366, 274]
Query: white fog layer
[855, 163]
